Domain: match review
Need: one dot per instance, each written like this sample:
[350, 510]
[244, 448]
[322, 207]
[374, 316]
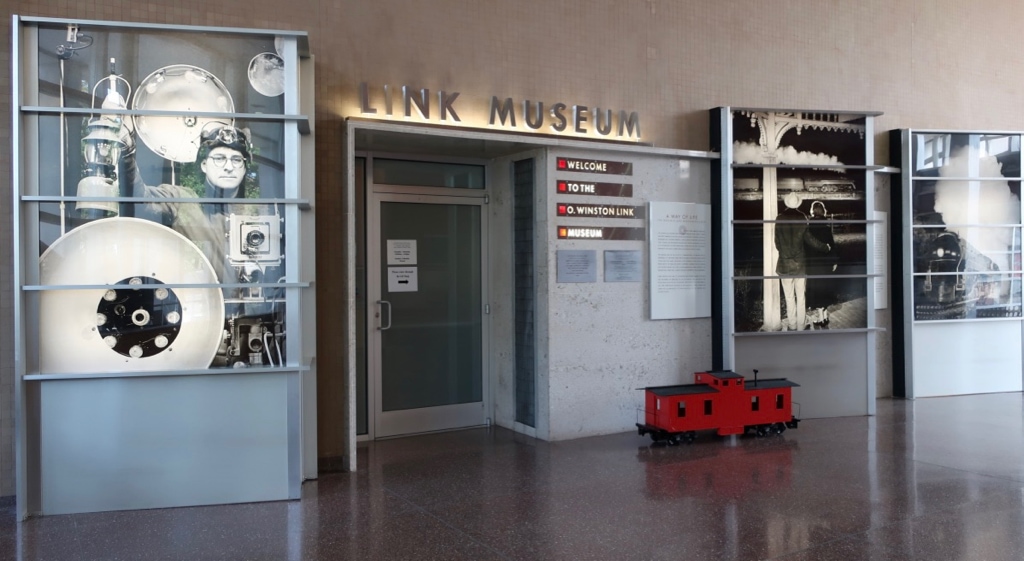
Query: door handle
[381, 304]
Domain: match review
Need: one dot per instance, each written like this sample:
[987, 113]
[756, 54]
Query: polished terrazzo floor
[932, 479]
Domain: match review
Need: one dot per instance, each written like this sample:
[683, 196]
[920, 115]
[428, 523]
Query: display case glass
[797, 261]
[965, 225]
[160, 195]
[799, 220]
[957, 293]
[192, 70]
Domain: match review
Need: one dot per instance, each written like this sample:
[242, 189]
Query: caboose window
[681, 409]
[725, 382]
[755, 403]
[780, 401]
[707, 406]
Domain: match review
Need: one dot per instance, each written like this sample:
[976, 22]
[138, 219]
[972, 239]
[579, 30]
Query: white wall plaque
[576, 265]
[680, 248]
[401, 252]
[623, 265]
[403, 279]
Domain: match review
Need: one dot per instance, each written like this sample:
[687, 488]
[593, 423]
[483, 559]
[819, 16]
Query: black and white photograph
[850, 313]
[967, 235]
[798, 138]
[830, 219]
[163, 188]
[800, 222]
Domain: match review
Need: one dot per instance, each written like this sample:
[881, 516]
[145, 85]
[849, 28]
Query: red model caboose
[721, 400]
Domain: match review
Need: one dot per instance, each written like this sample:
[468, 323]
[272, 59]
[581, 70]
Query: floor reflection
[930, 479]
[716, 469]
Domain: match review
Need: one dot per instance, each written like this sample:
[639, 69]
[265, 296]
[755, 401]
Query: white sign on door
[403, 279]
[401, 252]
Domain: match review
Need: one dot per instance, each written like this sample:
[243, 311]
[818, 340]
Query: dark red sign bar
[601, 233]
[588, 188]
[600, 211]
[594, 166]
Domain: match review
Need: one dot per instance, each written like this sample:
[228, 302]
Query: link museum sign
[443, 107]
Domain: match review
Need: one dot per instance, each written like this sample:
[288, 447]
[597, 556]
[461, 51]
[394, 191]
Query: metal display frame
[835, 366]
[44, 400]
[943, 328]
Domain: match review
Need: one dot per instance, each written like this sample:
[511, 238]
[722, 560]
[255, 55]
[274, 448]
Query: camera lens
[255, 238]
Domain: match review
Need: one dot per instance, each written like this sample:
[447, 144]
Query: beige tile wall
[925, 64]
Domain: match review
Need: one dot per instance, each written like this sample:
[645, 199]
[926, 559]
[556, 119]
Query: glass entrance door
[426, 313]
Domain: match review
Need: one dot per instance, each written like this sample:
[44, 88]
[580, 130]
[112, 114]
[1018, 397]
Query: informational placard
[623, 265]
[576, 265]
[680, 250]
[401, 252]
[599, 233]
[881, 259]
[603, 211]
[595, 189]
[403, 279]
[594, 166]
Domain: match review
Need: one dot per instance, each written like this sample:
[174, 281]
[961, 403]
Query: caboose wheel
[673, 440]
[779, 428]
[662, 438]
[690, 436]
[763, 430]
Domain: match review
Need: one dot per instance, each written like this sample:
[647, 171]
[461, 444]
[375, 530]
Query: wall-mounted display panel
[799, 219]
[965, 211]
[959, 216]
[159, 132]
[796, 227]
[161, 203]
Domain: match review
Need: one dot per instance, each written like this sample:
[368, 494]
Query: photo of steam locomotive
[965, 241]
